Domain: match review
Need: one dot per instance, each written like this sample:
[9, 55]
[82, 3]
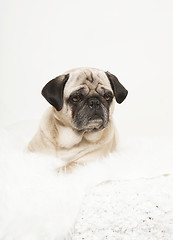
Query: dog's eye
[76, 98]
[107, 97]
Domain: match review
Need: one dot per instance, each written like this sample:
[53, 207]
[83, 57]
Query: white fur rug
[123, 196]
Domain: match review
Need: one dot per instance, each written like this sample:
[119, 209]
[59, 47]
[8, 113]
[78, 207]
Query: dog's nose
[94, 103]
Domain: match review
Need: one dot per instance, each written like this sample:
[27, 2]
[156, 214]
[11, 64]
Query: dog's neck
[68, 137]
[70, 145]
[79, 145]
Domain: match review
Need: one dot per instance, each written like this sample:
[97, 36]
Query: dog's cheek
[81, 117]
[73, 112]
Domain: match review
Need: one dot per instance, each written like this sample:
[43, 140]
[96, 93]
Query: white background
[131, 39]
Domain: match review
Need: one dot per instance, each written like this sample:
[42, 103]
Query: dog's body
[79, 126]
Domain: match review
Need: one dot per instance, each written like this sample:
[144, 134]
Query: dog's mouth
[95, 123]
[95, 118]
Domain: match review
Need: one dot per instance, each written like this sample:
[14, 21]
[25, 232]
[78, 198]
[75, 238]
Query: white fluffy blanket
[128, 195]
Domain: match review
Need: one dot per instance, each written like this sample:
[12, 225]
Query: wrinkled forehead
[89, 80]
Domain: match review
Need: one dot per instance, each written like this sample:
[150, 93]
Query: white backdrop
[132, 39]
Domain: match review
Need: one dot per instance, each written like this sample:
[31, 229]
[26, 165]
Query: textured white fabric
[133, 209]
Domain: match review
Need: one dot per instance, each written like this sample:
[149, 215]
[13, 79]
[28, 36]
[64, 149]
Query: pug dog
[78, 126]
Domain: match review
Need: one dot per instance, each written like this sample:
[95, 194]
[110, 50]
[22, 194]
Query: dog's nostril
[94, 103]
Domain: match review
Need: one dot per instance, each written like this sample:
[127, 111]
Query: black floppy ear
[53, 91]
[119, 90]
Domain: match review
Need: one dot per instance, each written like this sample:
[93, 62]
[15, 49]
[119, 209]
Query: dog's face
[84, 98]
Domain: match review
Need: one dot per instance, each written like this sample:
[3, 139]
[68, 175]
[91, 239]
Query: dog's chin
[93, 125]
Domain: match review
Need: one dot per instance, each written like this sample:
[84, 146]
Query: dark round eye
[76, 98]
[107, 97]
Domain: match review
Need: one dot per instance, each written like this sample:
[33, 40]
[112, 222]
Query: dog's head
[83, 98]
